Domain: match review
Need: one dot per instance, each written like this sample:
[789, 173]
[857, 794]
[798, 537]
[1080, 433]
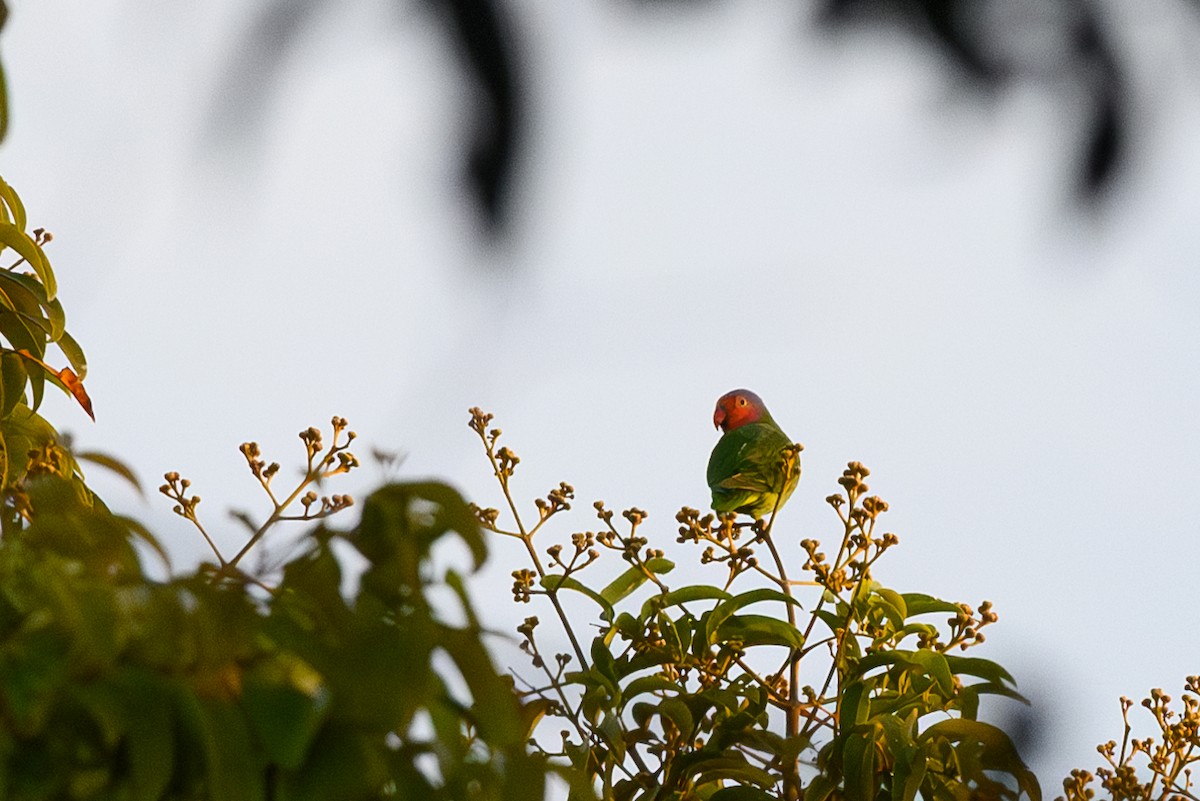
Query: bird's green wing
[744, 467]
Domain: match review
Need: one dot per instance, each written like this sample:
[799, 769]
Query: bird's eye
[741, 401]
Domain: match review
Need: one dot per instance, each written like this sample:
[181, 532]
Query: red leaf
[72, 382]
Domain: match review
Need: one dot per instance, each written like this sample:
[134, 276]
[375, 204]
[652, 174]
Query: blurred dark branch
[990, 55]
[486, 41]
[481, 35]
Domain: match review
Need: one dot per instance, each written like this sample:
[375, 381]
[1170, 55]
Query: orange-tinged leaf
[75, 386]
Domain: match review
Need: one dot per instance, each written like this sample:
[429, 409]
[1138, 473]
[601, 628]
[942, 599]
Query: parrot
[744, 471]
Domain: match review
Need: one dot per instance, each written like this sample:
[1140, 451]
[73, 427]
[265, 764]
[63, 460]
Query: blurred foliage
[1070, 45]
[217, 684]
[746, 689]
[352, 669]
[1067, 43]
[31, 320]
[1155, 768]
[480, 31]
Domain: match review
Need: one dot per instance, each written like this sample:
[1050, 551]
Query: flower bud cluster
[523, 580]
[557, 500]
[176, 489]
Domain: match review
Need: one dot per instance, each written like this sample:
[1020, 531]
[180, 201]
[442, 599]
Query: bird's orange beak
[718, 417]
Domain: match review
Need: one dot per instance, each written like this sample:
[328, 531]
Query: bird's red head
[738, 408]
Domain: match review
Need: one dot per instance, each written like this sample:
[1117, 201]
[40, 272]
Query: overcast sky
[709, 200]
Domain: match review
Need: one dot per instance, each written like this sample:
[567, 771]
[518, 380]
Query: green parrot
[745, 471]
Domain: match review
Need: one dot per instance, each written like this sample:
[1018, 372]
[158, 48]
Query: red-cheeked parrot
[745, 471]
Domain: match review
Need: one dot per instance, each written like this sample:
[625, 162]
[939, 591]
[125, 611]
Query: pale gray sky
[712, 200]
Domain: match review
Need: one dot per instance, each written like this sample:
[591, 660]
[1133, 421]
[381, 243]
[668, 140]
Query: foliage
[217, 683]
[1168, 759]
[335, 673]
[744, 690]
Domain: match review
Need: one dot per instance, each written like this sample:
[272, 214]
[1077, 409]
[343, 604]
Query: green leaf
[556, 581]
[234, 767]
[982, 668]
[623, 585]
[37, 382]
[694, 592]
[858, 763]
[110, 463]
[604, 664]
[18, 333]
[752, 630]
[855, 709]
[894, 606]
[820, 788]
[495, 708]
[730, 766]
[12, 382]
[871, 661]
[921, 604]
[649, 684]
[678, 713]
[7, 193]
[70, 348]
[727, 608]
[998, 751]
[150, 742]
[936, 666]
[342, 763]
[285, 701]
[401, 521]
[29, 250]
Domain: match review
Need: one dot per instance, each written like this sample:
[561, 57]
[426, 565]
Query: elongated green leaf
[555, 582]
[678, 713]
[820, 788]
[878, 658]
[70, 348]
[113, 464]
[143, 533]
[150, 742]
[921, 604]
[727, 608]
[235, 765]
[660, 566]
[910, 765]
[285, 703]
[937, 667]
[858, 763]
[998, 752]
[649, 684]
[624, 584]
[683, 595]
[730, 766]
[25, 293]
[752, 630]
[983, 668]
[19, 241]
[37, 381]
[605, 666]
[855, 707]
[496, 710]
[893, 605]
[17, 331]
[9, 195]
[12, 382]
